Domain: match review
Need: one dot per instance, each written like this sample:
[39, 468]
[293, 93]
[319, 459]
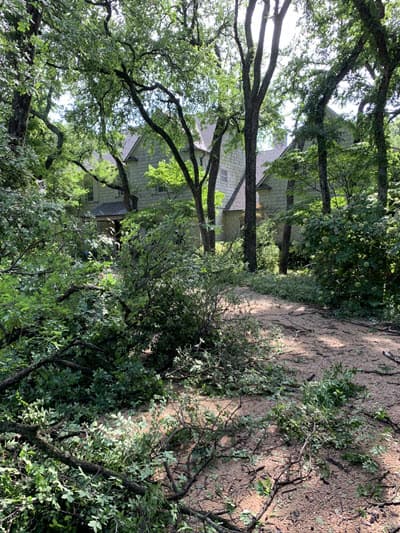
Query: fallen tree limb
[31, 434]
[392, 357]
[89, 287]
[53, 359]
[19, 376]
[78, 288]
[378, 372]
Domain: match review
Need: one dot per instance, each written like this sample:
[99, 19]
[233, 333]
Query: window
[224, 175]
[160, 188]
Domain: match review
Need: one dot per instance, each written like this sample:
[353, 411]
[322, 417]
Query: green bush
[354, 255]
[295, 286]
[176, 294]
[267, 250]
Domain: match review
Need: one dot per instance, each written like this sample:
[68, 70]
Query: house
[272, 189]
[233, 212]
[107, 206]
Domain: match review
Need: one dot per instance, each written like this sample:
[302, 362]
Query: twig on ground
[392, 357]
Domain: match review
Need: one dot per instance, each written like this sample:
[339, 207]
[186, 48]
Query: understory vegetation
[88, 338]
[350, 262]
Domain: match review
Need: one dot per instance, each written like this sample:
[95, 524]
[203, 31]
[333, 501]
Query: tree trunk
[380, 137]
[204, 233]
[323, 169]
[287, 229]
[18, 122]
[250, 217]
[215, 157]
[129, 200]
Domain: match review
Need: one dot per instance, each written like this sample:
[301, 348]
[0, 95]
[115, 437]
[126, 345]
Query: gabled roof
[129, 146]
[237, 200]
[203, 143]
[205, 136]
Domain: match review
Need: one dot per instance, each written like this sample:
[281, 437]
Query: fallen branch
[32, 435]
[378, 372]
[89, 287]
[53, 359]
[19, 376]
[384, 420]
[279, 483]
[392, 357]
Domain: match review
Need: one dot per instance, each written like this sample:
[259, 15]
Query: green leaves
[351, 254]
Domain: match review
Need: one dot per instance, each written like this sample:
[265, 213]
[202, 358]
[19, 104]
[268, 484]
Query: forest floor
[258, 473]
[340, 497]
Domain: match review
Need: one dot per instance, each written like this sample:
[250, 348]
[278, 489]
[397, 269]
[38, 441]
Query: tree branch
[19, 376]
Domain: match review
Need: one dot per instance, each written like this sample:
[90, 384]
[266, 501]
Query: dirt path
[313, 341]
[335, 496]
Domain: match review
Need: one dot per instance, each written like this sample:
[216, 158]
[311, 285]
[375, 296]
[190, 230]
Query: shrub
[317, 419]
[295, 286]
[177, 295]
[354, 254]
[238, 361]
[267, 250]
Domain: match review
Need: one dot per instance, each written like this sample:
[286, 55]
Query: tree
[287, 226]
[379, 20]
[168, 79]
[21, 28]
[255, 83]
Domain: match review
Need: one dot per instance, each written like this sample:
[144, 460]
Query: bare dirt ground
[328, 494]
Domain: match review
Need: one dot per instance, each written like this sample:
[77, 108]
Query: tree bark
[21, 103]
[250, 216]
[204, 233]
[212, 175]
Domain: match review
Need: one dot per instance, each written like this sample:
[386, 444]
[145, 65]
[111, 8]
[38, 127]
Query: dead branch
[278, 482]
[378, 372]
[392, 357]
[386, 420]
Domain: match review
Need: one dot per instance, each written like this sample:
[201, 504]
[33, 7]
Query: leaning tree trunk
[215, 158]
